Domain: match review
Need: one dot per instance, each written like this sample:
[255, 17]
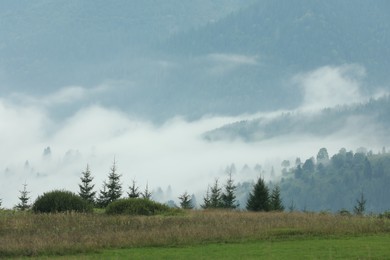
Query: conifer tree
[24, 198]
[259, 197]
[103, 200]
[360, 206]
[133, 191]
[228, 197]
[275, 200]
[206, 200]
[86, 188]
[147, 194]
[112, 189]
[216, 196]
[186, 201]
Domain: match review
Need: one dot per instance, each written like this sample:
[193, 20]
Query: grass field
[196, 234]
[366, 247]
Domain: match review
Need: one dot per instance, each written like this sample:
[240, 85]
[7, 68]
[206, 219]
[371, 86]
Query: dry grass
[37, 234]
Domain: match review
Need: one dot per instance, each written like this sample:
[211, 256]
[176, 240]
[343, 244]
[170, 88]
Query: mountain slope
[353, 118]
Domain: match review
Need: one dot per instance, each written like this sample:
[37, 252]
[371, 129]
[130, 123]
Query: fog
[172, 153]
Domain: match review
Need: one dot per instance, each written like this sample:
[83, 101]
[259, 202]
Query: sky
[172, 153]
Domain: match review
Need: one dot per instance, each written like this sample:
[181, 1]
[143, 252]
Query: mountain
[189, 58]
[327, 122]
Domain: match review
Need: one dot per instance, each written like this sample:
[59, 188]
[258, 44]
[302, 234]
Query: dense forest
[335, 183]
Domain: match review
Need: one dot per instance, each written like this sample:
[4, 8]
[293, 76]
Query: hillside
[327, 122]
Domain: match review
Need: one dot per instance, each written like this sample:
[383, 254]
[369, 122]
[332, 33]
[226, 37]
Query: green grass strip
[361, 247]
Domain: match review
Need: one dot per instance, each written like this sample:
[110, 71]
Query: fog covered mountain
[143, 81]
[166, 58]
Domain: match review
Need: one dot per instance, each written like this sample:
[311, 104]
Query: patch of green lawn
[367, 247]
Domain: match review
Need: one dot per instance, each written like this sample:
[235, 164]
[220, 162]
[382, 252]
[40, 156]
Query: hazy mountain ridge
[189, 58]
[324, 123]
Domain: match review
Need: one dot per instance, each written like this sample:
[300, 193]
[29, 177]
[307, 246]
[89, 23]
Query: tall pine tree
[86, 188]
[275, 200]
[228, 197]
[24, 198]
[259, 197]
[112, 189]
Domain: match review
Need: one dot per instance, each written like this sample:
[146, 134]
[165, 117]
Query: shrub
[60, 201]
[385, 214]
[137, 206]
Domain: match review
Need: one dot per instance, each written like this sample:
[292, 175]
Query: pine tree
[86, 189]
[186, 201]
[206, 200]
[147, 194]
[259, 197]
[24, 198]
[112, 190]
[216, 196]
[229, 197]
[360, 206]
[275, 200]
[103, 200]
[134, 193]
[114, 187]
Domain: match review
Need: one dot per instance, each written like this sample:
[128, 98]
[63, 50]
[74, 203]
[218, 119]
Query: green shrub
[60, 201]
[385, 214]
[137, 206]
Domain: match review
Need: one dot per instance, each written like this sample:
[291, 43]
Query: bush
[385, 214]
[137, 206]
[60, 201]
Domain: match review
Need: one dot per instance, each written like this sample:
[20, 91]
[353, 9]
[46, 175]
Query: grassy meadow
[92, 235]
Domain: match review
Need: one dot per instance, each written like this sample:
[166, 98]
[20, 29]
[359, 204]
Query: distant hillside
[321, 124]
[189, 58]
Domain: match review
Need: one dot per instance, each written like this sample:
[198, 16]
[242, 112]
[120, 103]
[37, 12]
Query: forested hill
[336, 183]
[299, 35]
[374, 113]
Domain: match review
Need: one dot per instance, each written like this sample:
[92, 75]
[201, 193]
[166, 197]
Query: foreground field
[367, 247]
[66, 234]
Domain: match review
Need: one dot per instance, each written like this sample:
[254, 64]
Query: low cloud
[331, 86]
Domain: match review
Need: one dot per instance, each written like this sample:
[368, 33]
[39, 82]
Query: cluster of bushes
[66, 201]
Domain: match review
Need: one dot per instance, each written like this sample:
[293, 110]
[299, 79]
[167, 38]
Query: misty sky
[88, 112]
[172, 153]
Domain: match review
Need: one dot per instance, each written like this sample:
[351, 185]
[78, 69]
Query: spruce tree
[133, 191]
[185, 201]
[275, 200]
[103, 200]
[112, 189]
[259, 197]
[229, 197]
[360, 206]
[24, 198]
[216, 196]
[86, 188]
[206, 200]
[147, 194]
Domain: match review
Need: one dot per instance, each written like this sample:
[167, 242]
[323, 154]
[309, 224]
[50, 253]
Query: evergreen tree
[259, 197]
[103, 200]
[112, 190]
[360, 206]
[206, 200]
[24, 198]
[86, 188]
[186, 201]
[134, 193]
[147, 194]
[275, 200]
[216, 196]
[114, 187]
[229, 197]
